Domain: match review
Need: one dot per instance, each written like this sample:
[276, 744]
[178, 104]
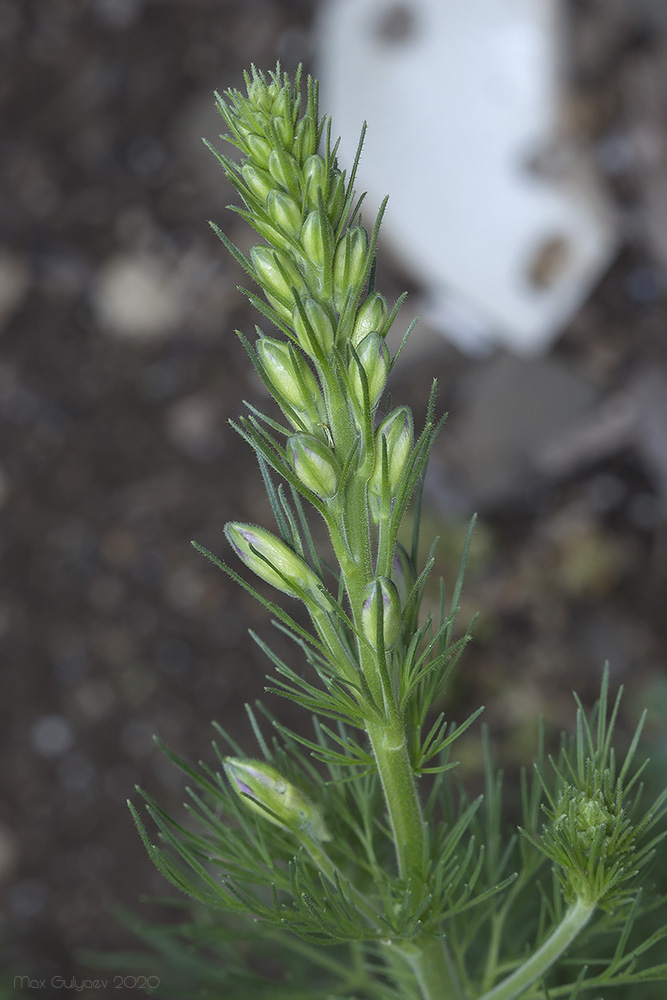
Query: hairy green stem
[575, 919]
[432, 967]
[390, 750]
[428, 957]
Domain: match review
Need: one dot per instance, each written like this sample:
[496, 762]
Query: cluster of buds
[314, 264]
[330, 372]
[591, 839]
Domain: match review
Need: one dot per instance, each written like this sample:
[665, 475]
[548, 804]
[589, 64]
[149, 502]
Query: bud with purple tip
[275, 562]
[265, 791]
[314, 463]
[381, 597]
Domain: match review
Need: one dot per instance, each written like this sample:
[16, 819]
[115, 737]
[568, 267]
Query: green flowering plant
[351, 856]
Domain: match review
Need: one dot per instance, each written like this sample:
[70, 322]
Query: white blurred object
[505, 226]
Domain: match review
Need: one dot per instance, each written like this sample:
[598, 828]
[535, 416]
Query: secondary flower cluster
[330, 370]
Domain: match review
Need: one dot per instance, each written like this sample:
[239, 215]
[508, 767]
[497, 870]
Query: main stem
[427, 956]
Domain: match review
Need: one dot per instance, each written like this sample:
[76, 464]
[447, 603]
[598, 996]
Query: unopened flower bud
[396, 430]
[316, 326]
[314, 463]
[258, 181]
[284, 212]
[289, 373]
[277, 273]
[281, 103]
[403, 573]
[273, 561]
[371, 315]
[259, 149]
[305, 139]
[349, 267]
[265, 791]
[313, 239]
[284, 130]
[381, 597]
[314, 173]
[373, 355]
[259, 93]
[284, 170]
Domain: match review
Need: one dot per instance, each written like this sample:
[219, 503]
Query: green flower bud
[277, 273]
[388, 605]
[397, 431]
[349, 267]
[305, 139]
[588, 818]
[373, 355]
[283, 168]
[336, 197]
[290, 374]
[265, 791]
[259, 93]
[314, 463]
[258, 181]
[371, 315]
[313, 239]
[284, 130]
[285, 212]
[281, 106]
[403, 573]
[314, 173]
[259, 149]
[273, 561]
[318, 327]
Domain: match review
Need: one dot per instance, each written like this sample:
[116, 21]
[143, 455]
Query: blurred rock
[51, 735]
[194, 426]
[514, 410]
[136, 296]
